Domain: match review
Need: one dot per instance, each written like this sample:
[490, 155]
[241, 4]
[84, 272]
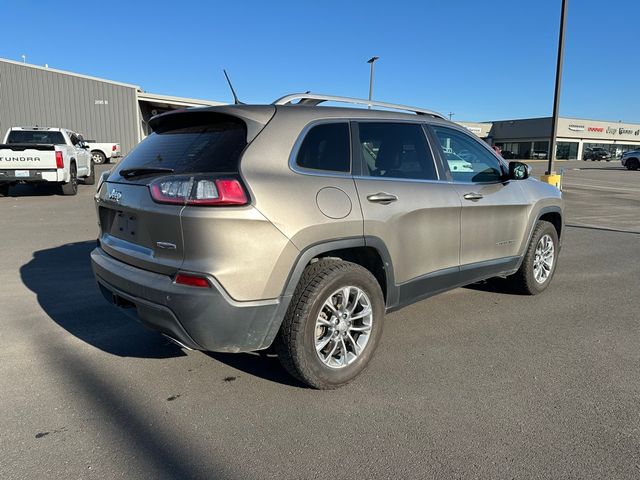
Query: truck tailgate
[17, 156]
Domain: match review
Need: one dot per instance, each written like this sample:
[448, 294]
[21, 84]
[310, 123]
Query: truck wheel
[333, 324]
[91, 178]
[98, 157]
[4, 190]
[71, 187]
[540, 260]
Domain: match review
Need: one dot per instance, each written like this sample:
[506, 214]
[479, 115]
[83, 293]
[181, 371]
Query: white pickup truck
[42, 154]
[102, 152]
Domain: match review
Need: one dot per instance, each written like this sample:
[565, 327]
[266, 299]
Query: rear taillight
[59, 160]
[192, 280]
[205, 191]
[114, 148]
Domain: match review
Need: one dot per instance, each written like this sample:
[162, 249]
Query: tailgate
[27, 156]
[138, 231]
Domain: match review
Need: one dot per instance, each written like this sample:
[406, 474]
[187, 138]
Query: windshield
[35, 137]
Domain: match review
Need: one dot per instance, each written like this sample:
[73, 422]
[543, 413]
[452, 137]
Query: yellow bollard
[553, 179]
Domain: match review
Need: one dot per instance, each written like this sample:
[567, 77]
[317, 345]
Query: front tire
[539, 262]
[4, 190]
[71, 187]
[333, 324]
[91, 179]
[98, 157]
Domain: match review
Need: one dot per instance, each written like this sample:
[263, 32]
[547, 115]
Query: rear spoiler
[21, 147]
[255, 117]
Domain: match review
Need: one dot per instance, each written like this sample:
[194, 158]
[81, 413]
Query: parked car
[596, 153]
[631, 159]
[103, 152]
[232, 228]
[539, 154]
[43, 154]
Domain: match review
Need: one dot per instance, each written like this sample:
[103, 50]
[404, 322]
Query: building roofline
[187, 102]
[65, 72]
[563, 118]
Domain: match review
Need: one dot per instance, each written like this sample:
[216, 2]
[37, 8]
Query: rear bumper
[198, 318]
[34, 175]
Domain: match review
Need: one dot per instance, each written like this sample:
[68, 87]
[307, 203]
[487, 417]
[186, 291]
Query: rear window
[211, 148]
[35, 137]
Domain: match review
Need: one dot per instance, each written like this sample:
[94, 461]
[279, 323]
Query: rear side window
[326, 147]
[211, 148]
[396, 150]
[36, 137]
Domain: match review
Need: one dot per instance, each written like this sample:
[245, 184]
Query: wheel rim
[97, 158]
[544, 258]
[343, 327]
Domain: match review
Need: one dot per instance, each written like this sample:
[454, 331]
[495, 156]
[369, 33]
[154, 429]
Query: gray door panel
[493, 220]
[421, 229]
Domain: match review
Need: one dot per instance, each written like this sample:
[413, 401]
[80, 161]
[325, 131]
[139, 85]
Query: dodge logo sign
[115, 195]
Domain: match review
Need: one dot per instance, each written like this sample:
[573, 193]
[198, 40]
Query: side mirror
[519, 171]
[85, 146]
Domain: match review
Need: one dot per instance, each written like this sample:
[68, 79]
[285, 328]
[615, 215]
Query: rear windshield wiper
[138, 172]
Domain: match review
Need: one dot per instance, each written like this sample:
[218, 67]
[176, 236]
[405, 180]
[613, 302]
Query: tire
[633, 164]
[98, 157]
[4, 190]
[71, 187]
[309, 323]
[91, 179]
[527, 280]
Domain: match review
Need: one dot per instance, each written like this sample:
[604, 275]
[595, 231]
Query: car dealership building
[99, 109]
[530, 138]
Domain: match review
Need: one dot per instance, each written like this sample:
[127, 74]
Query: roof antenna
[233, 92]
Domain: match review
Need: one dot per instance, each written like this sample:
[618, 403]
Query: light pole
[556, 98]
[451, 114]
[371, 61]
[24, 58]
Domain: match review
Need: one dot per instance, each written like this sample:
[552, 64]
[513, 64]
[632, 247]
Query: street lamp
[550, 174]
[371, 61]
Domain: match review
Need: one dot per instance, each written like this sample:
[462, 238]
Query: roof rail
[313, 99]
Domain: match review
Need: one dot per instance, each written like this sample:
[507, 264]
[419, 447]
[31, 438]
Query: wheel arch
[368, 252]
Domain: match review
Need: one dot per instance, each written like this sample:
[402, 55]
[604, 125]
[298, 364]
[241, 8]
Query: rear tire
[98, 157]
[324, 341]
[539, 262]
[4, 190]
[91, 179]
[71, 187]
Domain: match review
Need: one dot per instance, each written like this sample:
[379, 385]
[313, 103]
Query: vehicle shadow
[35, 190]
[495, 285]
[62, 279]
[263, 364]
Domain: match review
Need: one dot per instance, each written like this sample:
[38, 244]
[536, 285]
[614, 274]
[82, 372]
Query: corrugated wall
[98, 110]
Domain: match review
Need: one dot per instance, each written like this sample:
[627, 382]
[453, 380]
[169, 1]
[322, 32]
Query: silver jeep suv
[236, 227]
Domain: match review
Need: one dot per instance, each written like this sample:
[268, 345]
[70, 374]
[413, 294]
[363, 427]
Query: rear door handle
[473, 196]
[382, 198]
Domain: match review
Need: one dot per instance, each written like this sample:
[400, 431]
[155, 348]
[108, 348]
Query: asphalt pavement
[474, 383]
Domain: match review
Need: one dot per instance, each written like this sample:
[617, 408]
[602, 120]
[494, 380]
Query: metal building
[99, 109]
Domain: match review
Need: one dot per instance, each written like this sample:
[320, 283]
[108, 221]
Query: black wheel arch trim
[541, 212]
[319, 248]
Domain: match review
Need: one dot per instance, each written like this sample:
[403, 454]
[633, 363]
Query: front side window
[326, 147]
[468, 159]
[396, 150]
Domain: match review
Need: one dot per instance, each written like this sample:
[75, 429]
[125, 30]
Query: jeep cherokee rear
[234, 227]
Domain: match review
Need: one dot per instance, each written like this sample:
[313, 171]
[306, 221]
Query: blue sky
[482, 60]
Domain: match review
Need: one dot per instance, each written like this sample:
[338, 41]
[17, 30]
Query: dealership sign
[576, 127]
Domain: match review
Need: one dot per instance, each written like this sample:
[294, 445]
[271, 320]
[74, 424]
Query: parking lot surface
[474, 383]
